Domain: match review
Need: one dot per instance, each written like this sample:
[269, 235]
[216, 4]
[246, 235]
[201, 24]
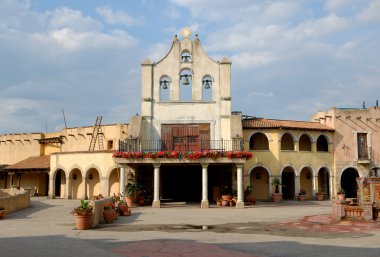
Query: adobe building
[299, 153]
[356, 144]
[73, 163]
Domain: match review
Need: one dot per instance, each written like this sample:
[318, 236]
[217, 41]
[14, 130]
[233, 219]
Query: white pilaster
[297, 186]
[122, 180]
[315, 185]
[67, 188]
[240, 189]
[51, 188]
[84, 181]
[205, 202]
[156, 196]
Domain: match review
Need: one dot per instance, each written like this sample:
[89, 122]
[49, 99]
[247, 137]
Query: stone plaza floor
[289, 228]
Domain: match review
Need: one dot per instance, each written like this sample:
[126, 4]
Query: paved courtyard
[289, 228]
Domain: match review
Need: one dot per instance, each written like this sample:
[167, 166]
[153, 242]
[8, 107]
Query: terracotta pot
[3, 213]
[219, 203]
[123, 210]
[109, 215]
[224, 202]
[319, 197]
[342, 197]
[83, 222]
[130, 200]
[276, 197]
[302, 198]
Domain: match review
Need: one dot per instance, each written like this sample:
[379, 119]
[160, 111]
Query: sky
[290, 58]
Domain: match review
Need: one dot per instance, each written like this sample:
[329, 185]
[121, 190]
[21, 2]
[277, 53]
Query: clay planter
[123, 210]
[83, 222]
[319, 197]
[109, 215]
[276, 197]
[302, 198]
[219, 203]
[342, 197]
[224, 202]
[3, 213]
[130, 200]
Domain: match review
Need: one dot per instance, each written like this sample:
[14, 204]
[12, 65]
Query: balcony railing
[137, 145]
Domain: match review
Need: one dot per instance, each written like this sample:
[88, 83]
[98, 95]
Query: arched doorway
[306, 181]
[114, 182]
[93, 183]
[60, 184]
[287, 179]
[324, 182]
[76, 190]
[348, 182]
[259, 178]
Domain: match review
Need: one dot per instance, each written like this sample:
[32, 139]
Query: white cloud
[74, 19]
[336, 5]
[249, 60]
[118, 17]
[371, 13]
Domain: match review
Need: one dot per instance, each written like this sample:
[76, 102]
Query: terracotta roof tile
[284, 124]
[35, 163]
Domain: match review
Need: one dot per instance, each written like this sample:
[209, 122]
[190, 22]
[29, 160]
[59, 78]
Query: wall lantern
[258, 175]
[308, 175]
[91, 176]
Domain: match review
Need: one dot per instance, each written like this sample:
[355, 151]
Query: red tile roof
[31, 163]
[283, 124]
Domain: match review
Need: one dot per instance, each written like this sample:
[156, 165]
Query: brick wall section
[13, 199]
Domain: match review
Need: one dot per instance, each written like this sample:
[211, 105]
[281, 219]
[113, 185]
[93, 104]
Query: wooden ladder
[97, 133]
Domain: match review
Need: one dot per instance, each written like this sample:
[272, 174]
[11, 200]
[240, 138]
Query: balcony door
[362, 146]
[185, 137]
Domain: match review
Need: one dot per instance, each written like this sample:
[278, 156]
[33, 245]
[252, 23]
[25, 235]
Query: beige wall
[347, 123]
[99, 164]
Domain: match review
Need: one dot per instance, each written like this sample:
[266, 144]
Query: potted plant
[131, 192]
[83, 215]
[341, 194]
[109, 212]
[320, 195]
[123, 208]
[276, 196]
[219, 201]
[3, 212]
[302, 195]
[249, 199]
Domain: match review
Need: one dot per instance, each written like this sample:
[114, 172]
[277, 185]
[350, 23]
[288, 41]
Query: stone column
[205, 202]
[67, 189]
[51, 188]
[122, 180]
[104, 186]
[84, 181]
[315, 185]
[297, 186]
[156, 196]
[240, 189]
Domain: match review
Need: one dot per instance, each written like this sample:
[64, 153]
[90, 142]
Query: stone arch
[263, 132]
[288, 174]
[348, 181]
[258, 141]
[76, 166]
[165, 87]
[305, 142]
[186, 90]
[324, 181]
[114, 181]
[93, 182]
[59, 185]
[186, 56]
[76, 179]
[306, 180]
[314, 171]
[322, 143]
[287, 140]
[110, 169]
[259, 178]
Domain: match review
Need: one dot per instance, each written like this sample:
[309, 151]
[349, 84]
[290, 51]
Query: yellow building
[300, 153]
[73, 163]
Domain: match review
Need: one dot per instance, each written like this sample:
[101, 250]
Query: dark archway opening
[58, 183]
[287, 179]
[348, 182]
[324, 182]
